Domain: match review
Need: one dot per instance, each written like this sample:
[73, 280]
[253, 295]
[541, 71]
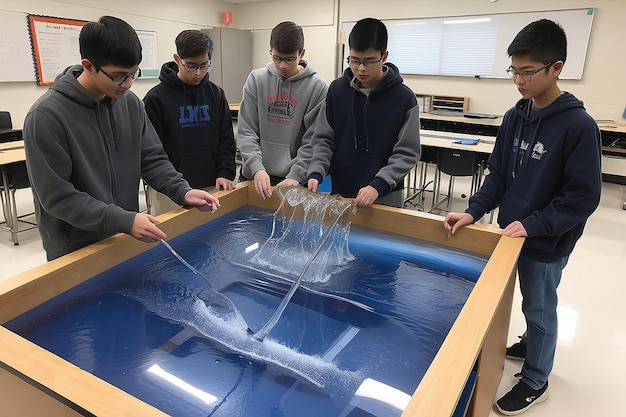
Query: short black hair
[543, 40]
[287, 37]
[191, 43]
[368, 33]
[110, 41]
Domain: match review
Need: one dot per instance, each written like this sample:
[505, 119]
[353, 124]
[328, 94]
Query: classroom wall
[602, 88]
[168, 18]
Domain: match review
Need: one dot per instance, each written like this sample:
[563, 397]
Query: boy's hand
[454, 221]
[287, 183]
[202, 200]
[312, 184]
[224, 184]
[262, 184]
[515, 229]
[144, 229]
[366, 196]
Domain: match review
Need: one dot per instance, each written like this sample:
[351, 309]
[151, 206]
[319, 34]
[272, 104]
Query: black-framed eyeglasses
[526, 76]
[355, 63]
[194, 67]
[278, 59]
[121, 78]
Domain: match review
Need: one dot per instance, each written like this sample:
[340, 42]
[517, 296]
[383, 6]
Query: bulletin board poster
[55, 45]
[149, 52]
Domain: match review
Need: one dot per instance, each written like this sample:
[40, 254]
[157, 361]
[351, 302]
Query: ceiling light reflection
[185, 386]
[380, 399]
[568, 321]
[252, 247]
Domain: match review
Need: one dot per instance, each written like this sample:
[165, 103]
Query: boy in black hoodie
[545, 175]
[192, 117]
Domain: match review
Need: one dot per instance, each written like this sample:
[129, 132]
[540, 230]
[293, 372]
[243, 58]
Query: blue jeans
[538, 284]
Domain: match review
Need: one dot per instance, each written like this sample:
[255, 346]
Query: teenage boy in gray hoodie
[280, 102]
[88, 142]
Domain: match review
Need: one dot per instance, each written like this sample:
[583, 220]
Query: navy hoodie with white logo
[545, 172]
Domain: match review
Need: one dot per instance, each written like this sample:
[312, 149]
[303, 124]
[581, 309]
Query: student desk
[614, 146]
[33, 376]
[10, 153]
[11, 134]
[613, 136]
[430, 139]
[461, 124]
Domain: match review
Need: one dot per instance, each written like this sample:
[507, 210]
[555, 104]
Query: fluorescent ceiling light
[464, 21]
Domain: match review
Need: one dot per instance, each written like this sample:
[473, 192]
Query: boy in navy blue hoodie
[192, 117]
[366, 134]
[545, 175]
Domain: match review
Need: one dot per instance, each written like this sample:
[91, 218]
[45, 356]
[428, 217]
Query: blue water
[382, 316]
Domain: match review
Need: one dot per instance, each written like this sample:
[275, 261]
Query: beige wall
[168, 18]
[602, 88]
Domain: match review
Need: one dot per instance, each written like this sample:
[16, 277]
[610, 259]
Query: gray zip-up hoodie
[85, 159]
[274, 114]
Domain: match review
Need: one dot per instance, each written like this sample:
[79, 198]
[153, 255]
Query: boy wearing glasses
[88, 143]
[191, 115]
[367, 132]
[544, 174]
[280, 103]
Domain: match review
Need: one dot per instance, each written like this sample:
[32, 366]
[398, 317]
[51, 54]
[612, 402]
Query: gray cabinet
[232, 60]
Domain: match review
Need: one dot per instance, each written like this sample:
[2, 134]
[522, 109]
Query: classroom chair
[16, 176]
[416, 185]
[454, 163]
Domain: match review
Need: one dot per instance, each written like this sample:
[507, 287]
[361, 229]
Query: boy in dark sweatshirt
[192, 118]
[366, 134]
[545, 175]
[88, 143]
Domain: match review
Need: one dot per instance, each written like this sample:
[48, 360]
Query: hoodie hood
[390, 79]
[169, 77]
[67, 84]
[307, 71]
[526, 144]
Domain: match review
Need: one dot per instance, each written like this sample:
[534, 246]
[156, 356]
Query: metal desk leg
[8, 205]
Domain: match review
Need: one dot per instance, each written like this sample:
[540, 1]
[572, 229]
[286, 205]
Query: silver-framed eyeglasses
[526, 76]
[288, 60]
[121, 78]
[194, 67]
[355, 63]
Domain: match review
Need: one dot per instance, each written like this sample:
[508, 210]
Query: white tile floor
[588, 374]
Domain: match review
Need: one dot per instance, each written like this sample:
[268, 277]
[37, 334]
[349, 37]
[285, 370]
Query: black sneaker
[517, 351]
[521, 398]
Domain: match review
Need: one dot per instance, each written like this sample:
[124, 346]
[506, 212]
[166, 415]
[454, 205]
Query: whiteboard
[16, 56]
[436, 46]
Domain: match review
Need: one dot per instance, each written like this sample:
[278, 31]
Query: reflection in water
[380, 318]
